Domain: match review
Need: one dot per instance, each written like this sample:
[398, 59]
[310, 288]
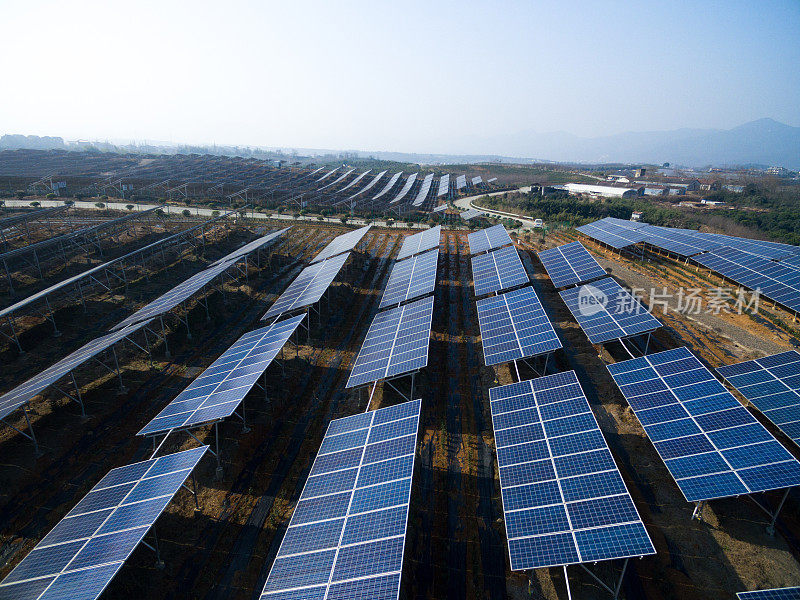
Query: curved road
[467, 203]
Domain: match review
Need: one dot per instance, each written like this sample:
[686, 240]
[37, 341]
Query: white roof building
[601, 190]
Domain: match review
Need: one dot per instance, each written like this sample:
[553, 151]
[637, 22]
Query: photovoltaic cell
[356, 179]
[444, 185]
[347, 533]
[772, 385]
[423, 190]
[411, 278]
[790, 593]
[341, 243]
[389, 185]
[471, 214]
[498, 270]
[461, 182]
[570, 264]
[218, 391]
[564, 499]
[405, 189]
[251, 246]
[83, 552]
[605, 311]
[488, 239]
[711, 444]
[420, 242]
[308, 287]
[514, 325]
[440, 208]
[611, 234]
[396, 343]
[373, 182]
[476, 181]
[22, 394]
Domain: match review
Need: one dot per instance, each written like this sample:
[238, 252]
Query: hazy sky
[378, 75]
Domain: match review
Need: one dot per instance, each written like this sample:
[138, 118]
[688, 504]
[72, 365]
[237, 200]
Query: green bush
[99, 205]
[186, 212]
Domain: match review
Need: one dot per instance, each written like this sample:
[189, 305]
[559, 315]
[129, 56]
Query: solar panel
[396, 343]
[514, 325]
[251, 246]
[22, 394]
[461, 182]
[488, 239]
[611, 235]
[440, 208]
[605, 311]
[389, 185]
[711, 444]
[411, 278]
[762, 248]
[420, 242]
[791, 593]
[476, 181]
[342, 243]
[498, 270]
[471, 214]
[570, 264]
[373, 182]
[405, 189]
[773, 279]
[681, 242]
[564, 499]
[308, 286]
[444, 185]
[175, 296]
[339, 179]
[423, 190]
[219, 390]
[772, 385]
[83, 552]
[791, 261]
[347, 533]
[328, 174]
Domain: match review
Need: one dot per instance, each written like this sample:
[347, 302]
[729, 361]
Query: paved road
[467, 203]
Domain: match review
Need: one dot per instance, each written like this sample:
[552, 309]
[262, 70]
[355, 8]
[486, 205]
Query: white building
[601, 190]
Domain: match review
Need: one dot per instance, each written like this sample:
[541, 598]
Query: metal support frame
[772, 514]
[613, 591]
[412, 376]
[31, 435]
[155, 548]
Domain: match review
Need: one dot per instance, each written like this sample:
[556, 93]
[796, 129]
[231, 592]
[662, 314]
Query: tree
[20, 194]
[129, 206]
[99, 205]
[320, 218]
[214, 213]
[186, 212]
[389, 222]
[36, 204]
[344, 219]
[50, 196]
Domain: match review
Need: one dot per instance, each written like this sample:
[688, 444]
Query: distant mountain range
[763, 142]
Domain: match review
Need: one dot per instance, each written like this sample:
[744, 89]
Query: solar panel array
[405, 189]
[355, 180]
[341, 243]
[772, 385]
[440, 208]
[514, 325]
[411, 278]
[488, 239]
[564, 499]
[605, 311]
[423, 190]
[771, 250]
[570, 264]
[611, 234]
[396, 343]
[389, 185]
[498, 270]
[22, 394]
[790, 593]
[347, 533]
[219, 390]
[444, 185]
[420, 242]
[83, 552]
[471, 214]
[461, 182]
[476, 181]
[339, 179]
[711, 444]
[373, 182]
[308, 287]
[774, 280]
[251, 246]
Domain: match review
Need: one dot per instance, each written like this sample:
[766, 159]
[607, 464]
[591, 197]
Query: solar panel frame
[409, 183]
[490, 238]
[389, 185]
[346, 537]
[772, 385]
[396, 343]
[256, 244]
[308, 287]
[564, 499]
[212, 396]
[711, 444]
[411, 278]
[341, 243]
[606, 311]
[90, 544]
[440, 208]
[498, 270]
[570, 264]
[514, 325]
[420, 242]
[789, 593]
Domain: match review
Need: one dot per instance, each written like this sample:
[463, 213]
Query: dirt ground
[456, 545]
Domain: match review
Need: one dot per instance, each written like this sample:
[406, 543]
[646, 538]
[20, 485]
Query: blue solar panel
[498, 270]
[219, 390]
[790, 593]
[411, 278]
[773, 280]
[514, 325]
[563, 497]
[396, 343]
[347, 533]
[252, 246]
[711, 444]
[772, 384]
[570, 264]
[682, 242]
[611, 234]
[471, 214]
[83, 552]
[605, 311]
[341, 243]
[488, 239]
[308, 287]
[420, 242]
